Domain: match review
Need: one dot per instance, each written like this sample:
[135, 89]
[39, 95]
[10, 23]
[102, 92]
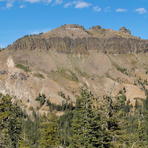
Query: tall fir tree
[48, 129]
[10, 123]
[86, 123]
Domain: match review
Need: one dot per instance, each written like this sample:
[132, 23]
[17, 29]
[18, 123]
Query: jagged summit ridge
[73, 38]
[72, 27]
[70, 30]
[77, 31]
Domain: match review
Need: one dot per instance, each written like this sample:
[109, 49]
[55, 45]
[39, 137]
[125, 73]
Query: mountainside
[67, 58]
[76, 39]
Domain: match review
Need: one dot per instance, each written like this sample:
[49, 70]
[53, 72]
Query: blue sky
[21, 17]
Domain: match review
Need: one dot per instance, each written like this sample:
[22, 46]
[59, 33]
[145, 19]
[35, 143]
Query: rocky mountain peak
[72, 26]
[70, 30]
[72, 38]
[125, 30]
[98, 27]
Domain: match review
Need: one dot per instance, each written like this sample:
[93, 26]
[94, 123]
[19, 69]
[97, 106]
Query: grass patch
[82, 73]
[68, 74]
[123, 70]
[23, 67]
[65, 73]
[118, 67]
[39, 75]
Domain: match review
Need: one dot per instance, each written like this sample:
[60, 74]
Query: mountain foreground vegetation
[75, 88]
[114, 124]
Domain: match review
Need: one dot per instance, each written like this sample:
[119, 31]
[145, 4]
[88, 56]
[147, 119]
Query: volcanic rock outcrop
[69, 57]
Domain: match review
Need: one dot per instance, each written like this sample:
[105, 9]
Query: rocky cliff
[69, 57]
[76, 39]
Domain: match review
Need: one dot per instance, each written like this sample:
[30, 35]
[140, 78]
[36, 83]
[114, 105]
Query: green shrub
[39, 75]
[68, 74]
[31, 108]
[122, 70]
[42, 99]
[23, 67]
[82, 73]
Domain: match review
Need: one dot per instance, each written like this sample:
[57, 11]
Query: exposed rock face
[125, 30]
[68, 45]
[53, 72]
[75, 39]
[10, 63]
[96, 27]
[72, 31]
[69, 57]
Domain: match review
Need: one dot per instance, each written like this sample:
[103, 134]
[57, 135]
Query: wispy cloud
[77, 4]
[82, 4]
[37, 1]
[66, 5]
[58, 2]
[120, 10]
[141, 10]
[32, 1]
[9, 4]
[97, 8]
[22, 6]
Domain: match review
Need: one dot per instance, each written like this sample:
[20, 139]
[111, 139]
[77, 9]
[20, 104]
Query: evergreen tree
[30, 131]
[49, 137]
[143, 131]
[116, 119]
[86, 124]
[64, 124]
[10, 123]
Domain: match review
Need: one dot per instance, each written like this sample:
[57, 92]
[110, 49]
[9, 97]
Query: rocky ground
[28, 67]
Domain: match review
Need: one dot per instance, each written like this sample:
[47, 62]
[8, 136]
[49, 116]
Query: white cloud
[141, 10]
[58, 2]
[68, 4]
[77, 4]
[36, 1]
[121, 10]
[82, 4]
[22, 6]
[9, 5]
[32, 1]
[48, 1]
[97, 9]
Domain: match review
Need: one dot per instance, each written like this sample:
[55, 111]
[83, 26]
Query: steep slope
[51, 72]
[63, 60]
[76, 39]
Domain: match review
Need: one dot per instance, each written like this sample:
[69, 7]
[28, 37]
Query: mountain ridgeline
[76, 39]
[75, 88]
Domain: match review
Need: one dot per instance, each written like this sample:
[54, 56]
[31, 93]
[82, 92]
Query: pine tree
[10, 122]
[64, 124]
[49, 137]
[116, 119]
[86, 124]
[144, 125]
